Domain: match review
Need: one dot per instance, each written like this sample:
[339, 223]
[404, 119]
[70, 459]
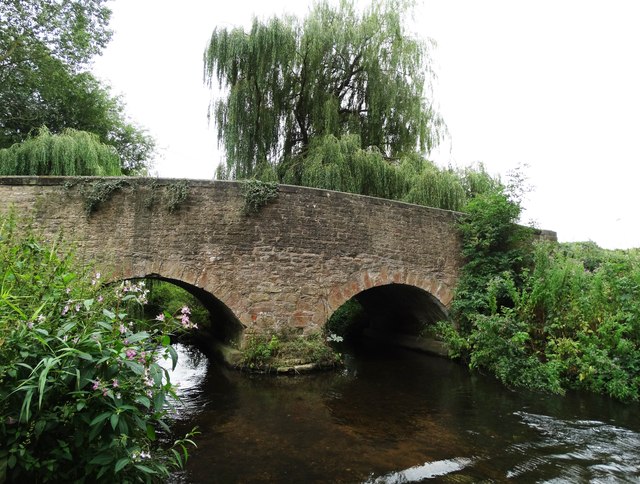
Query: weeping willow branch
[70, 153]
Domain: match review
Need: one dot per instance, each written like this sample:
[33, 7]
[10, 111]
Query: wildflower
[131, 354]
[96, 384]
[30, 325]
[160, 317]
[100, 299]
[68, 290]
[78, 308]
[115, 383]
[185, 310]
[122, 328]
[118, 395]
[41, 318]
[65, 310]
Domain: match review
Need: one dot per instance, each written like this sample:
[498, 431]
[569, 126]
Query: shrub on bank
[547, 317]
[81, 392]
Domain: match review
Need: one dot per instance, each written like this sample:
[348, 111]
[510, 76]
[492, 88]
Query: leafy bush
[277, 349]
[165, 296]
[547, 317]
[81, 391]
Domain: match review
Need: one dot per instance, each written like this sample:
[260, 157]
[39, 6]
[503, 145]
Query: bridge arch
[290, 265]
[398, 307]
[365, 280]
[223, 325]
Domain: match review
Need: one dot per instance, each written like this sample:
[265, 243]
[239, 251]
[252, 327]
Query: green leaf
[102, 459]
[142, 335]
[136, 367]
[109, 314]
[100, 418]
[121, 464]
[107, 326]
[143, 400]
[174, 357]
[49, 363]
[145, 469]
[151, 433]
[114, 420]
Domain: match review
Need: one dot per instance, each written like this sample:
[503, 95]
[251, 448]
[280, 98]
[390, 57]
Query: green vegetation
[70, 153]
[177, 193]
[81, 392]
[285, 350]
[46, 47]
[337, 72]
[346, 321]
[542, 316]
[100, 191]
[338, 100]
[165, 296]
[257, 194]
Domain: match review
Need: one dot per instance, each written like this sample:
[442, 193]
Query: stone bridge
[292, 264]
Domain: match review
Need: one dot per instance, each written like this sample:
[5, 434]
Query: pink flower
[131, 354]
[123, 330]
[160, 317]
[185, 310]
[65, 310]
[96, 384]
[115, 383]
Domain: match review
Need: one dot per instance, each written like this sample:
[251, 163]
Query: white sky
[554, 84]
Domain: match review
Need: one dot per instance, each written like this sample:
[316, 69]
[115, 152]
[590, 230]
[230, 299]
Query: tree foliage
[337, 72]
[71, 31]
[543, 316]
[45, 47]
[70, 153]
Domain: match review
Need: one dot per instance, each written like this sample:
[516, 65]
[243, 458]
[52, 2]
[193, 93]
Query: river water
[395, 416]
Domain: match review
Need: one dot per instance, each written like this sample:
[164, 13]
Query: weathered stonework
[290, 265]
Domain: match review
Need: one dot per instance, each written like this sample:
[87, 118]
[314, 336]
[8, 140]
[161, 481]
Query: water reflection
[397, 416]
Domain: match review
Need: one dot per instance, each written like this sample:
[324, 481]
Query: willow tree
[337, 72]
[46, 48]
[74, 153]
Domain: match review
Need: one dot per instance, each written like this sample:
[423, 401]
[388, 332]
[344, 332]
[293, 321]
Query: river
[395, 416]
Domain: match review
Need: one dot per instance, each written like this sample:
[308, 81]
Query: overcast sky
[552, 84]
